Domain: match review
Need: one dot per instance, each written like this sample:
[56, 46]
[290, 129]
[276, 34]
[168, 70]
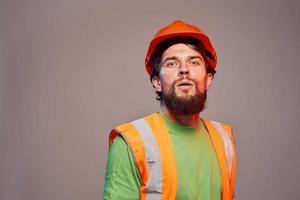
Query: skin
[181, 62]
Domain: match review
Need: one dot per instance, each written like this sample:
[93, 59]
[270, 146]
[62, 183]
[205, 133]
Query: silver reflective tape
[227, 144]
[154, 163]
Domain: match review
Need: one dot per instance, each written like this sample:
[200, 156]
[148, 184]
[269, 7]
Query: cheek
[201, 83]
[199, 75]
[165, 84]
[167, 78]
[166, 73]
[198, 72]
[201, 87]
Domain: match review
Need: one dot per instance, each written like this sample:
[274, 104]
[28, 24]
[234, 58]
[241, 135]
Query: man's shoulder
[127, 125]
[217, 124]
[128, 129]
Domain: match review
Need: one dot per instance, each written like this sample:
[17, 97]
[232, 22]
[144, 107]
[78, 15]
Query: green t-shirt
[197, 168]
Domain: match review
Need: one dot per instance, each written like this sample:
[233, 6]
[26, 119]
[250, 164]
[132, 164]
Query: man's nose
[184, 70]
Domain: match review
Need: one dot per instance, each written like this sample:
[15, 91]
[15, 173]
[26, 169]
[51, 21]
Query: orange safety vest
[152, 149]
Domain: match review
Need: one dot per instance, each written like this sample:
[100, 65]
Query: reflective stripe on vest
[228, 146]
[154, 164]
[151, 146]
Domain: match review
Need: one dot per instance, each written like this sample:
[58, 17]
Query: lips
[185, 83]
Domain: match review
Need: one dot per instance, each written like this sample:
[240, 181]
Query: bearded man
[174, 153]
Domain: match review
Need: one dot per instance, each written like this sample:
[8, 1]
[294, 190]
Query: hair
[192, 42]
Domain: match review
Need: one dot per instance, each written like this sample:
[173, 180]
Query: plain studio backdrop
[72, 70]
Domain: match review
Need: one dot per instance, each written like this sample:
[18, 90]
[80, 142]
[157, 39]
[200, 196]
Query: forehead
[180, 50]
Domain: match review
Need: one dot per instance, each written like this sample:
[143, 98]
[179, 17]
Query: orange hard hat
[180, 28]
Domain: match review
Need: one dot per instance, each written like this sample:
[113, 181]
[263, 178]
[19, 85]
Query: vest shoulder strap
[222, 139]
[151, 146]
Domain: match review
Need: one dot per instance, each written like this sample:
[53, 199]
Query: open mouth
[184, 83]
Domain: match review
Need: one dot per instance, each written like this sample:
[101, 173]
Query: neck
[185, 120]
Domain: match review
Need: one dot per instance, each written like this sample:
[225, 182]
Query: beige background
[72, 70]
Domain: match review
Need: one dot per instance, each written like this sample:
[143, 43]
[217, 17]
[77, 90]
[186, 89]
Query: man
[174, 154]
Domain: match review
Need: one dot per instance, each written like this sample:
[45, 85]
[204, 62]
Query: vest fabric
[151, 146]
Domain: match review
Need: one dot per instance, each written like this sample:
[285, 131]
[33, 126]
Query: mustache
[186, 79]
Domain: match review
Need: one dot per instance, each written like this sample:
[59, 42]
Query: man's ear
[208, 80]
[156, 84]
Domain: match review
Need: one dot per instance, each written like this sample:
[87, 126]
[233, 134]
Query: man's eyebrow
[175, 58]
[193, 57]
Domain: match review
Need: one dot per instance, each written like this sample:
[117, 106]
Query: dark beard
[184, 105]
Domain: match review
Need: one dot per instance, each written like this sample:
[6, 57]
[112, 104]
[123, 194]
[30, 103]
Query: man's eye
[195, 63]
[171, 64]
